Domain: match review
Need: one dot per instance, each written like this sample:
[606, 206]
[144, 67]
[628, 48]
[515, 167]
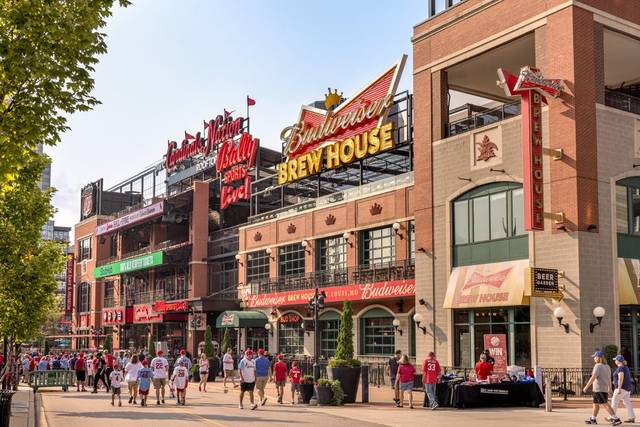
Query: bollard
[548, 403]
[364, 372]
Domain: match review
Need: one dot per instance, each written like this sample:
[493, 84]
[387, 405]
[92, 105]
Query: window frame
[376, 314]
[339, 257]
[388, 240]
[258, 266]
[291, 260]
[291, 337]
[84, 253]
[630, 184]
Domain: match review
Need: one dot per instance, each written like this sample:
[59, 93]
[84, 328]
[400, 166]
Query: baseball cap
[432, 354]
[619, 358]
[261, 351]
[160, 352]
[249, 352]
[280, 357]
[598, 354]
[183, 352]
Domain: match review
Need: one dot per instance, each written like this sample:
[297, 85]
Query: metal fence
[622, 101]
[485, 118]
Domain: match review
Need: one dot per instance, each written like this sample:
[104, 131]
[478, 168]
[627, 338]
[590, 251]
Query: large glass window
[109, 294]
[377, 332]
[377, 246]
[84, 290]
[257, 266]
[291, 259]
[628, 206]
[470, 326]
[329, 328]
[332, 253]
[630, 334]
[84, 249]
[290, 334]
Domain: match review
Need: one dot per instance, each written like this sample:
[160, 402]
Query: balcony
[149, 297]
[398, 270]
[622, 101]
[483, 118]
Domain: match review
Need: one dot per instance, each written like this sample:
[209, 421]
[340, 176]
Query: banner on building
[144, 313]
[362, 292]
[497, 346]
[132, 264]
[132, 218]
[68, 294]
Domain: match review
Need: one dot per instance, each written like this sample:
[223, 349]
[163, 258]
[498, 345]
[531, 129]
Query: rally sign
[497, 346]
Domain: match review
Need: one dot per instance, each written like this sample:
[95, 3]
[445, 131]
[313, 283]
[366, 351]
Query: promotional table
[503, 394]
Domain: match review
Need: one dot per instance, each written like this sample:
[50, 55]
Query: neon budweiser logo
[495, 280]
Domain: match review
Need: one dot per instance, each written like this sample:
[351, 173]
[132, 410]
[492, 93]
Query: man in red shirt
[430, 377]
[280, 375]
[483, 368]
[295, 374]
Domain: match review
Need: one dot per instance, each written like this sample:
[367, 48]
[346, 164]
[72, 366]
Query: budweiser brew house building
[527, 184]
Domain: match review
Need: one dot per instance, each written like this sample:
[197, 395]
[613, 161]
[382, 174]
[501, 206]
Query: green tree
[152, 345]
[208, 343]
[344, 348]
[226, 341]
[48, 50]
[108, 343]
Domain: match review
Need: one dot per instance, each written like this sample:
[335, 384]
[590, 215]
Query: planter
[349, 380]
[325, 395]
[306, 392]
[213, 370]
[196, 376]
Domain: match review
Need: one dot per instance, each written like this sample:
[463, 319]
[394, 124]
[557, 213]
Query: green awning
[241, 319]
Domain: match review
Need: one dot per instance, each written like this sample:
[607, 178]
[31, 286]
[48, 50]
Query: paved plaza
[215, 408]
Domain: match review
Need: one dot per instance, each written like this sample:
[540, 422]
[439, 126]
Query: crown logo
[330, 219]
[257, 237]
[332, 99]
[375, 209]
[291, 228]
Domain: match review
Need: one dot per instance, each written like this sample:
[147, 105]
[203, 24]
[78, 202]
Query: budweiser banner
[363, 292]
[166, 307]
[486, 285]
[68, 295]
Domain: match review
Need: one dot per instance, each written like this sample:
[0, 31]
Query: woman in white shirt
[204, 372]
[131, 377]
[90, 370]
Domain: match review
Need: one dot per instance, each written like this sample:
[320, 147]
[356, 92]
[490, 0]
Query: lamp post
[316, 303]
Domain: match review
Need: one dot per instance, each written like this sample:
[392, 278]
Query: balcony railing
[383, 272]
[167, 245]
[149, 297]
[485, 118]
[622, 101]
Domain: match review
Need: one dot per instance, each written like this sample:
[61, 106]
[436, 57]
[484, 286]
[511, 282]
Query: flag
[188, 135]
[250, 101]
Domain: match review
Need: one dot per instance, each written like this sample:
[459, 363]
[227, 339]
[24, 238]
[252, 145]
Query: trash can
[5, 407]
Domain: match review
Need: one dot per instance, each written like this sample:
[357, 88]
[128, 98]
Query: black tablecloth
[504, 394]
[443, 395]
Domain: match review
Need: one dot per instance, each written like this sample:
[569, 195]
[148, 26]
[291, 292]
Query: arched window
[290, 334]
[488, 225]
[628, 217]
[377, 333]
[329, 328]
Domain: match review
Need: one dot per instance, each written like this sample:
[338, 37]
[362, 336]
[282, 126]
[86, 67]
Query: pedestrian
[145, 375]
[115, 381]
[186, 359]
[204, 372]
[263, 372]
[160, 368]
[622, 383]
[490, 359]
[404, 380]
[43, 364]
[227, 363]
[109, 364]
[80, 368]
[89, 368]
[483, 368]
[180, 378]
[100, 373]
[430, 377]
[131, 370]
[601, 381]
[392, 371]
[295, 375]
[280, 376]
[247, 369]
[56, 364]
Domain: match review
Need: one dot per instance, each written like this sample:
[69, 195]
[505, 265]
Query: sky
[172, 64]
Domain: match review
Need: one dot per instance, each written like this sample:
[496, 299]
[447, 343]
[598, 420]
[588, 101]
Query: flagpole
[248, 120]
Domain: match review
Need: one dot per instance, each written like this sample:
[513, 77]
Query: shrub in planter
[343, 367]
[325, 392]
[195, 372]
[306, 388]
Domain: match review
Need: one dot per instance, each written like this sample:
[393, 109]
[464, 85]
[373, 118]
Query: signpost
[542, 282]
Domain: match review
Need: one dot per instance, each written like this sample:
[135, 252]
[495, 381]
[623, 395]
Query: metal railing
[622, 101]
[569, 382]
[148, 297]
[395, 270]
[485, 118]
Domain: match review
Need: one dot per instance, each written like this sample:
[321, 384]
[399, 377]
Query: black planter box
[325, 395]
[349, 380]
[306, 392]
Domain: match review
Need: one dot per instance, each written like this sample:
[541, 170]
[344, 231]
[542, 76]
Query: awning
[241, 319]
[487, 285]
[629, 281]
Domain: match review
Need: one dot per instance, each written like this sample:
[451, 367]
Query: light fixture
[268, 251]
[559, 314]
[396, 228]
[598, 313]
[421, 301]
[418, 319]
[268, 328]
[396, 326]
[305, 245]
[346, 235]
[238, 257]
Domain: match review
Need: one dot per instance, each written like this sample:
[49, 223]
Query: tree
[208, 343]
[108, 343]
[344, 346]
[152, 345]
[226, 341]
[49, 50]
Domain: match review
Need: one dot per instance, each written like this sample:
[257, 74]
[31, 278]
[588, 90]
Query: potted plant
[306, 388]
[343, 367]
[210, 352]
[325, 392]
[195, 373]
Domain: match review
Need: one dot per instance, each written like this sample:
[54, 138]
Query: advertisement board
[132, 264]
[132, 218]
[497, 346]
[69, 275]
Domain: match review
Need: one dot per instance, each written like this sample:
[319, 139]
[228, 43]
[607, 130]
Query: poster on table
[497, 346]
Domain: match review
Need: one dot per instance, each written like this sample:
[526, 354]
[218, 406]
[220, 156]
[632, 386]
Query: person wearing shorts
[295, 375]
[280, 376]
[601, 381]
[263, 368]
[404, 380]
[180, 378]
[81, 372]
[115, 381]
[160, 368]
[247, 369]
[144, 383]
[227, 366]
[131, 377]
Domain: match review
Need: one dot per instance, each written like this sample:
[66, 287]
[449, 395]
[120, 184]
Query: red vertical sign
[68, 295]
[497, 346]
[532, 160]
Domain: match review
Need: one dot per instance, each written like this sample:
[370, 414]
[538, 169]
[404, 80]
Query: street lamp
[346, 235]
[418, 319]
[598, 313]
[316, 303]
[559, 314]
[268, 328]
[396, 326]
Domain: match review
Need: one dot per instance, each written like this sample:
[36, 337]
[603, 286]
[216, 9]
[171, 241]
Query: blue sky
[172, 64]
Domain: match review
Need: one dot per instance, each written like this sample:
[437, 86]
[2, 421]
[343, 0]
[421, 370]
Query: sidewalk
[23, 408]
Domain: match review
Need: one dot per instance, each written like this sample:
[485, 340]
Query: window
[257, 266]
[378, 334]
[84, 249]
[290, 334]
[377, 246]
[332, 253]
[488, 225]
[470, 326]
[84, 289]
[630, 334]
[329, 328]
[291, 259]
[109, 295]
[628, 217]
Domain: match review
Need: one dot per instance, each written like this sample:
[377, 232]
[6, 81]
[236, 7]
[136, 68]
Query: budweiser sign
[361, 292]
[363, 112]
[493, 280]
[165, 307]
